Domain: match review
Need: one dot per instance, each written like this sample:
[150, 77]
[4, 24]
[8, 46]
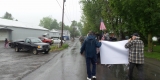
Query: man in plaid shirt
[136, 55]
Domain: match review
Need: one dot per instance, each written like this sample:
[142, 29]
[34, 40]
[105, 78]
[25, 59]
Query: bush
[56, 48]
[65, 46]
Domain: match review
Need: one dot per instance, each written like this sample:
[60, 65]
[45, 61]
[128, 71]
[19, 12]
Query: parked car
[32, 44]
[57, 40]
[46, 40]
[12, 44]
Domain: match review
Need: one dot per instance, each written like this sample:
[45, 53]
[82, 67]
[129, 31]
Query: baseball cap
[135, 34]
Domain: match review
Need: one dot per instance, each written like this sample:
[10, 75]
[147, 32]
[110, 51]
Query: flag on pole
[102, 26]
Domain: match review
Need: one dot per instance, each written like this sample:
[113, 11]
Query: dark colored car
[46, 40]
[12, 44]
[32, 44]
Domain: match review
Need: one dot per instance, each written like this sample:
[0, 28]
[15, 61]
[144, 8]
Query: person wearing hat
[136, 55]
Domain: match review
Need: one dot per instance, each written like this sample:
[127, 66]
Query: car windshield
[36, 40]
[18, 40]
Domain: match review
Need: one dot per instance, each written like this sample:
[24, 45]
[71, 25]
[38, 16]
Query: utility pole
[62, 23]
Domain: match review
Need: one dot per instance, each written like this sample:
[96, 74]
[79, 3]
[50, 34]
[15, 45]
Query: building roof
[8, 23]
[4, 28]
[53, 30]
[64, 31]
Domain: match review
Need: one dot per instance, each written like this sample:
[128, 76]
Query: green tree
[123, 17]
[74, 29]
[8, 16]
[140, 16]
[46, 22]
[80, 27]
[92, 15]
[55, 25]
[66, 27]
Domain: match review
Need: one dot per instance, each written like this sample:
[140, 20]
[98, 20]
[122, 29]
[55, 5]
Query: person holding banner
[136, 55]
[89, 46]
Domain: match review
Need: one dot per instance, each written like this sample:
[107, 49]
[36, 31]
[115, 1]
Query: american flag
[102, 26]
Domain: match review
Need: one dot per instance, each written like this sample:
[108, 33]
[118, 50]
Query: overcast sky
[31, 11]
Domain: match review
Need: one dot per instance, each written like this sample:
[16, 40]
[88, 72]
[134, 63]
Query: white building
[66, 33]
[14, 30]
[54, 33]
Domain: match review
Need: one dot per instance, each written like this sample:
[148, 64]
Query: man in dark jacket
[89, 46]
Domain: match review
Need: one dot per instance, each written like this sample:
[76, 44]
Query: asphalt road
[64, 65]
[16, 65]
[68, 65]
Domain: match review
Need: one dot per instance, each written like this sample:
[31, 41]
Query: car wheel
[34, 51]
[17, 49]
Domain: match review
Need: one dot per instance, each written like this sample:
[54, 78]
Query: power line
[64, 13]
[59, 4]
[66, 10]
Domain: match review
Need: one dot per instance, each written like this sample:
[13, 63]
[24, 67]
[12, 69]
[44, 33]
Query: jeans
[140, 70]
[90, 61]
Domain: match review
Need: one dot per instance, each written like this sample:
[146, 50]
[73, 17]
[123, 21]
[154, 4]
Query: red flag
[102, 26]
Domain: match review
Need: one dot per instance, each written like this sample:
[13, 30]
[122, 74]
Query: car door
[27, 45]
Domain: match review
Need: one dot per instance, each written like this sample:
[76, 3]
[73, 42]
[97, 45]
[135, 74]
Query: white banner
[114, 52]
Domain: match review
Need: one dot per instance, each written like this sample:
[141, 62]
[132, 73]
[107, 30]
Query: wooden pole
[62, 23]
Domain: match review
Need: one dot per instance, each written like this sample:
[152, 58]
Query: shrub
[56, 48]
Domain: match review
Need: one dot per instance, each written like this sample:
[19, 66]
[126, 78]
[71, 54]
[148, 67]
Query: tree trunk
[150, 49]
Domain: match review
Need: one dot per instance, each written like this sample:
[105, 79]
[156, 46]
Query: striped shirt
[136, 49]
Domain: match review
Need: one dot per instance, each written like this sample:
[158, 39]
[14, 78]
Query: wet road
[68, 65]
[15, 65]
[64, 65]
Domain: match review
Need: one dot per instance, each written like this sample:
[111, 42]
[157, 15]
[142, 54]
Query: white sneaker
[93, 76]
[88, 78]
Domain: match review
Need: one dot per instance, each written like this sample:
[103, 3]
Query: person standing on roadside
[6, 42]
[136, 55]
[89, 46]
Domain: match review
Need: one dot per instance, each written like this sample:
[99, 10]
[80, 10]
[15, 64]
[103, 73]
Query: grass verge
[155, 54]
[57, 48]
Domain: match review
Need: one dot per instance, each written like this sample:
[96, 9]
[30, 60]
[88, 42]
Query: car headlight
[39, 47]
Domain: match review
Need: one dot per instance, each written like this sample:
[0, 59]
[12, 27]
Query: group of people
[92, 42]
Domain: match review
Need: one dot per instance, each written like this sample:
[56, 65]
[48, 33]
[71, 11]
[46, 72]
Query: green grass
[155, 54]
[56, 48]
[156, 48]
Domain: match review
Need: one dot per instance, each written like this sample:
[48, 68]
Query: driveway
[15, 65]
